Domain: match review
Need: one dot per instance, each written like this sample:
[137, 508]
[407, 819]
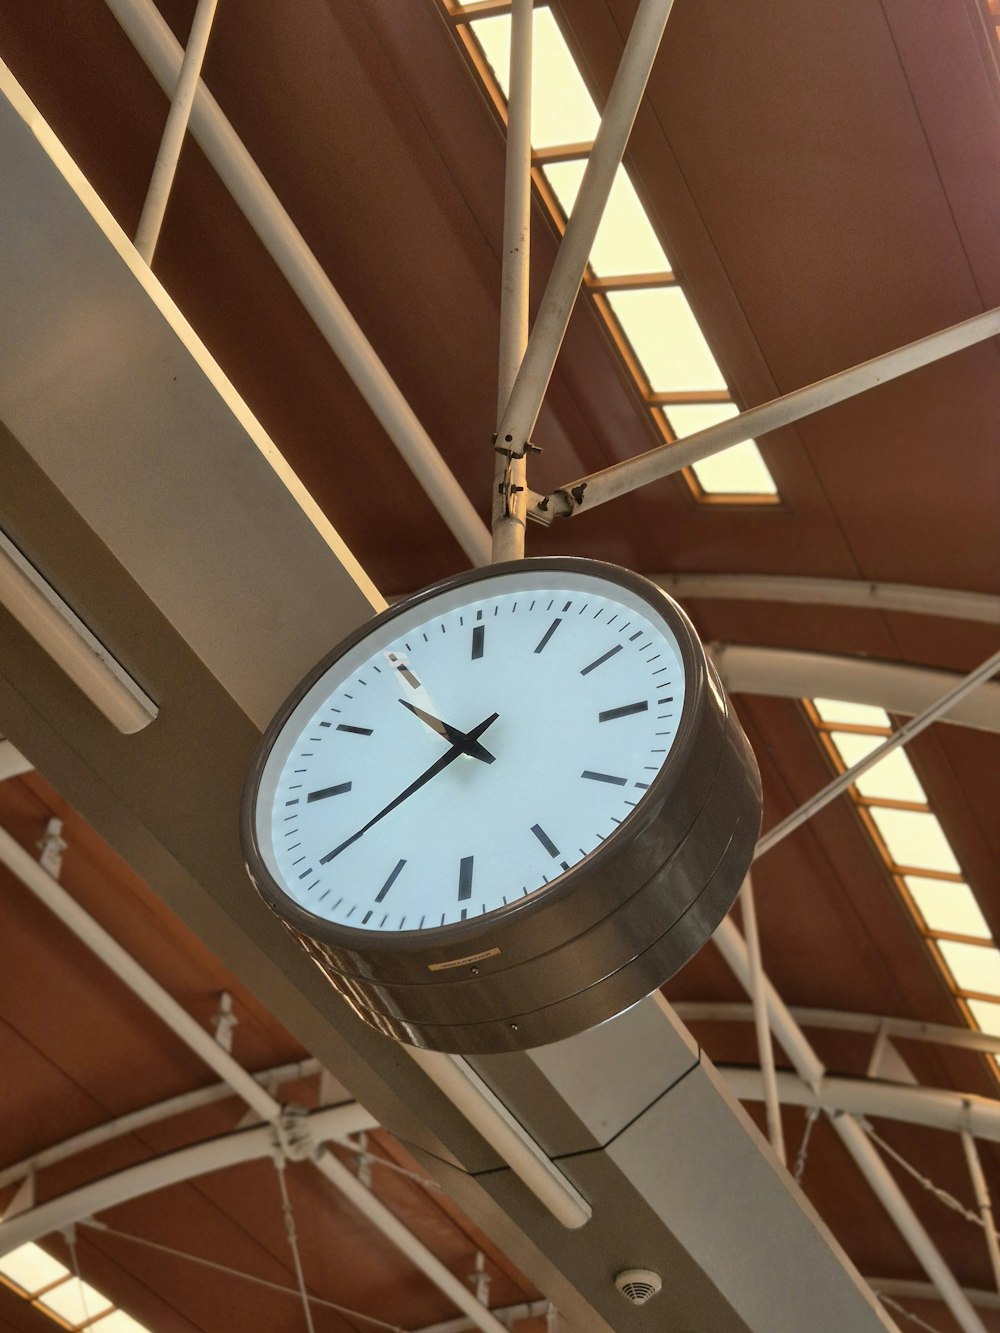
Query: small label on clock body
[462, 962]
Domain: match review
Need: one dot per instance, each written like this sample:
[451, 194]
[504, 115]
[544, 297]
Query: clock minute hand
[453, 734]
[437, 767]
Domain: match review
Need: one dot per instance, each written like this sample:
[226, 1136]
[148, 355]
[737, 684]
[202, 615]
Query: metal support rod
[765, 1042]
[983, 1202]
[665, 459]
[906, 733]
[810, 1069]
[165, 167]
[509, 473]
[244, 180]
[571, 260]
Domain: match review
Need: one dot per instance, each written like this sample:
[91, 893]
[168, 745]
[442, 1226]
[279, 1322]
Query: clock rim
[460, 938]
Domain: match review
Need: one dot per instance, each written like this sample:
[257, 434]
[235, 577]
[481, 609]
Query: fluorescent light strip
[57, 628]
[666, 349]
[899, 821]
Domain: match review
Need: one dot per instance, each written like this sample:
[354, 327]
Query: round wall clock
[506, 809]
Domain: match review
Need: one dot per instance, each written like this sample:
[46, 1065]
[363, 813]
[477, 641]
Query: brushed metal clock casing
[594, 941]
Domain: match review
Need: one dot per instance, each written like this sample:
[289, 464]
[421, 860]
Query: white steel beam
[983, 1202]
[904, 1289]
[948, 603]
[12, 761]
[765, 1042]
[785, 673]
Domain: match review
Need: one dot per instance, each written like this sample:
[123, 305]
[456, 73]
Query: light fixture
[57, 628]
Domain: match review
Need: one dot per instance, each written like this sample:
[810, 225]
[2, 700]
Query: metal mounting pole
[906, 733]
[665, 459]
[765, 1042]
[509, 496]
[571, 260]
[162, 180]
[983, 1202]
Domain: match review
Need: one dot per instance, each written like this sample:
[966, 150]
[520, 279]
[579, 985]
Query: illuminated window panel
[32, 1268]
[562, 110]
[975, 967]
[119, 1322]
[947, 906]
[75, 1301]
[737, 471]
[891, 779]
[851, 715]
[625, 241]
[986, 1015]
[914, 839]
[666, 339]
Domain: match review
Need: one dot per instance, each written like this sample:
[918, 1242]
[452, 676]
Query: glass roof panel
[31, 1267]
[947, 906]
[737, 471]
[986, 1015]
[852, 715]
[119, 1322]
[75, 1301]
[562, 110]
[974, 966]
[892, 778]
[625, 241]
[915, 839]
[665, 336]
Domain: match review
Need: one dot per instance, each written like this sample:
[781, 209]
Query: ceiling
[826, 180]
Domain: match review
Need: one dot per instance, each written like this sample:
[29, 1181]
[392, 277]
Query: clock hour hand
[452, 734]
[437, 767]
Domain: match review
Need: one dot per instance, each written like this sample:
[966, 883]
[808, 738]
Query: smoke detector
[638, 1285]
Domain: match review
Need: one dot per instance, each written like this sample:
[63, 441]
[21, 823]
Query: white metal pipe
[184, 1164]
[935, 1108]
[665, 459]
[162, 179]
[923, 1291]
[237, 170]
[789, 674]
[811, 1073]
[138, 980]
[465, 1089]
[148, 1115]
[12, 761]
[765, 1042]
[912, 1029]
[948, 603]
[899, 738]
[983, 1202]
[509, 473]
[574, 251]
[390, 1226]
[508, 1314]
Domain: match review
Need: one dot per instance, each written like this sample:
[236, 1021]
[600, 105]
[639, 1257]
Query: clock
[507, 808]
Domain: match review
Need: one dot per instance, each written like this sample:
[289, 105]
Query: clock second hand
[458, 747]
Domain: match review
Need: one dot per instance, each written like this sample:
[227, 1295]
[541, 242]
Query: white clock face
[470, 751]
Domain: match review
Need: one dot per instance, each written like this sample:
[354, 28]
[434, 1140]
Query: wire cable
[293, 1238]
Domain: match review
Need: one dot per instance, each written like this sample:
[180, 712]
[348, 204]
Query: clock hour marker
[390, 881]
[408, 676]
[604, 777]
[545, 840]
[625, 710]
[548, 634]
[601, 660]
[355, 731]
[329, 791]
[465, 878]
[478, 634]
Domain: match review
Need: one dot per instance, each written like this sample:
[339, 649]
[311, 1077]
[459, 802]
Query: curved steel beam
[789, 674]
[904, 1289]
[948, 603]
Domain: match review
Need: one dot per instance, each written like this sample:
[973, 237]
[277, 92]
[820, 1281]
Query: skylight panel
[891, 779]
[975, 967]
[737, 471]
[914, 839]
[119, 1322]
[625, 241]
[562, 110]
[851, 715]
[75, 1301]
[947, 906]
[32, 1268]
[986, 1015]
[660, 325]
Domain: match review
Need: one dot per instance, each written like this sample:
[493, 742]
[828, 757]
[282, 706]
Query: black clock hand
[437, 767]
[452, 734]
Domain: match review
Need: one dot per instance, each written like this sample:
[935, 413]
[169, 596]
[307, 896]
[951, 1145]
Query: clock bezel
[415, 956]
